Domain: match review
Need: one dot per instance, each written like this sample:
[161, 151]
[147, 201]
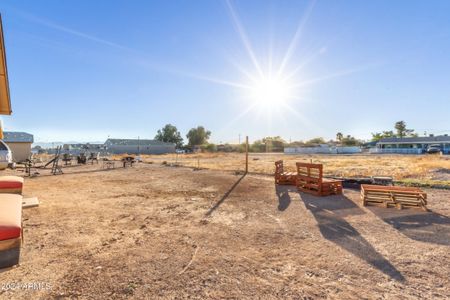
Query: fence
[396, 150]
[322, 150]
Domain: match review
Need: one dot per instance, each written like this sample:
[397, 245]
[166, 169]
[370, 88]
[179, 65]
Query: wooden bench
[310, 180]
[128, 161]
[108, 164]
[393, 195]
[282, 177]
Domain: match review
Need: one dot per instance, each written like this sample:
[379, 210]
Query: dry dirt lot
[154, 231]
[415, 168]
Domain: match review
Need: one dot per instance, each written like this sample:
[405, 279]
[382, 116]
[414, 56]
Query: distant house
[369, 145]
[413, 145]
[19, 143]
[138, 146]
[226, 148]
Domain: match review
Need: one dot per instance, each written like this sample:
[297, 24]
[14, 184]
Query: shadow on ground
[429, 227]
[49, 174]
[284, 199]
[329, 213]
[224, 197]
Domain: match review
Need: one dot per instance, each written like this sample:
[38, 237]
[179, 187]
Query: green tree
[339, 136]
[209, 147]
[400, 126]
[170, 134]
[258, 146]
[273, 143]
[198, 136]
[297, 144]
[402, 131]
[381, 135]
[315, 141]
[350, 141]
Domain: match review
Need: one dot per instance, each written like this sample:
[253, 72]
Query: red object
[10, 216]
[11, 184]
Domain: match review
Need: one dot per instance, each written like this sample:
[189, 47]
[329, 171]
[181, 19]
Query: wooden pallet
[393, 196]
[310, 180]
[281, 177]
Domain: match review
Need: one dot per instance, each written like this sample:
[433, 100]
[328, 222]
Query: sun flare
[270, 91]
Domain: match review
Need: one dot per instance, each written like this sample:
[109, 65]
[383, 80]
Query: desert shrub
[209, 147]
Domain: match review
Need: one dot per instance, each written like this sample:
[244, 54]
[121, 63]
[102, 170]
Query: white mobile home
[413, 145]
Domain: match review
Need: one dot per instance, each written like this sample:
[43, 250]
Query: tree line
[199, 137]
[400, 132]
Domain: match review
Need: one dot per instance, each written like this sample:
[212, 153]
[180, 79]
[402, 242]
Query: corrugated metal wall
[322, 150]
[134, 149]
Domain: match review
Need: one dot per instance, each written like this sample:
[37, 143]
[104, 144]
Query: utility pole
[239, 138]
[139, 150]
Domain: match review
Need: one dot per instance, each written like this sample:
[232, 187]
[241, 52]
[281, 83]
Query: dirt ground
[154, 231]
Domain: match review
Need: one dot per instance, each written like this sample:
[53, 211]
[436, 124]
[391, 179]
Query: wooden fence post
[246, 154]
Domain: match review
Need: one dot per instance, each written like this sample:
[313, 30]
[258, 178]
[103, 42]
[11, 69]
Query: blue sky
[86, 70]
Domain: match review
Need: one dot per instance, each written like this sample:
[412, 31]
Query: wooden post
[246, 154]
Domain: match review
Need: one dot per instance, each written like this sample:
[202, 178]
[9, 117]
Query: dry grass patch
[400, 167]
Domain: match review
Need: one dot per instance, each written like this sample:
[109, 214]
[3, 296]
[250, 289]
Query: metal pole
[246, 154]
[139, 150]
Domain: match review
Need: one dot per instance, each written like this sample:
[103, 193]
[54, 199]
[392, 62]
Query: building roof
[17, 137]
[414, 140]
[370, 144]
[135, 142]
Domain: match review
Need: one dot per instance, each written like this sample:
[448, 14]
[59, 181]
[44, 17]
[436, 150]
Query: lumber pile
[393, 196]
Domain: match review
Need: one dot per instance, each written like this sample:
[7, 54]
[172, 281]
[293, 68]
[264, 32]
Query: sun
[270, 91]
